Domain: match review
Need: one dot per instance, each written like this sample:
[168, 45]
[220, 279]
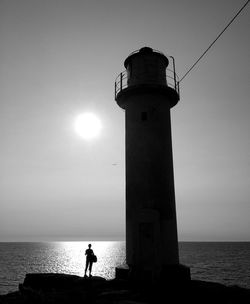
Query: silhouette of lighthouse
[147, 93]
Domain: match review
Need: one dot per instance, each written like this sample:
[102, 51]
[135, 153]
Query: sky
[59, 59]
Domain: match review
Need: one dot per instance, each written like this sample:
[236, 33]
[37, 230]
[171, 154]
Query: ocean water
[227, 263]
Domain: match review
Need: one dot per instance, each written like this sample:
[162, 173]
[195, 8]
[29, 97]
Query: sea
[222, 262]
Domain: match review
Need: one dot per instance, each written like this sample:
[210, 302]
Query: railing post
[121, 76]
[175, 83]
[115, 88]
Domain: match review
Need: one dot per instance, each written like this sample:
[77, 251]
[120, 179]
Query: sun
[87, 125]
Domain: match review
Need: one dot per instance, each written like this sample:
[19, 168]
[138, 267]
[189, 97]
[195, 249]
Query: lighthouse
[147, 91]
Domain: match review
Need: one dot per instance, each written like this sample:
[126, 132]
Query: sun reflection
[109, 255]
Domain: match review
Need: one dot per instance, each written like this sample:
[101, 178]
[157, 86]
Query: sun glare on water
[88, 125]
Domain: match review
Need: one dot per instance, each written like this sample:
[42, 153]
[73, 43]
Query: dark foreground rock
[62, 288]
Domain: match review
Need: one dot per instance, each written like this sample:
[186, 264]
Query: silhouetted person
[89, 260]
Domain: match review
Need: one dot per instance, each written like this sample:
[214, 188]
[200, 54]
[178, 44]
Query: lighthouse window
[144, 116]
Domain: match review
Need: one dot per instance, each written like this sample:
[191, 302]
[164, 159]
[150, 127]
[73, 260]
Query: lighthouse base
[176, 273]
[171, 274]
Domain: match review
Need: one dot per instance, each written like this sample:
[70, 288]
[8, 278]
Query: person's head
[89, 246]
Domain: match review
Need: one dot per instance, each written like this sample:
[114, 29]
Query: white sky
[60, 58]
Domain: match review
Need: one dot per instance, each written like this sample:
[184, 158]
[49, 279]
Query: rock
[48, 281]
[59, 281]
[131, 302]
[116, 296]
[55, 288]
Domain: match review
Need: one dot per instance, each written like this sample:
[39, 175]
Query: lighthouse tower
[146, 94]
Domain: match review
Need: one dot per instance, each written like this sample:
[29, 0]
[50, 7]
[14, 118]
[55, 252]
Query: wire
[190, 69]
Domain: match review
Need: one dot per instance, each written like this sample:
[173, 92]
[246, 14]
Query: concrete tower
[146, 96]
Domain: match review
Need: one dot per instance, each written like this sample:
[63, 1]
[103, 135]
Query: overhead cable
[231, 21]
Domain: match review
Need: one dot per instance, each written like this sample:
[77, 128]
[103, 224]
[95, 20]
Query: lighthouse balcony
[123, 81]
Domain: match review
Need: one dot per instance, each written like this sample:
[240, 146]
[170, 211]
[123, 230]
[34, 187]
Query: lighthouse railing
[121, 81]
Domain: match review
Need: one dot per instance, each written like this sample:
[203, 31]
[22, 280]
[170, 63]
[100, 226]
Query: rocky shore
[53, 288]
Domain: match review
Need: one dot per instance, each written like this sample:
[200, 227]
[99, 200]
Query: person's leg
[90, 267]
[86, 267]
